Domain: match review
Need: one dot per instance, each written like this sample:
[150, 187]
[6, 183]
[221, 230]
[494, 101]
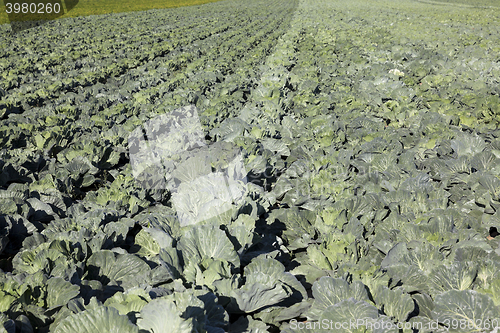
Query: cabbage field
[253, 166]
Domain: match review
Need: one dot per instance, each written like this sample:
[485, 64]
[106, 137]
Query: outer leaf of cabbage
[395, 303]
[99, 320]
[207, 241]
[162, 316]
[59, 292]
[256, 296]
[126, 269]
[347, 311]
[329, 291]
[467, 305]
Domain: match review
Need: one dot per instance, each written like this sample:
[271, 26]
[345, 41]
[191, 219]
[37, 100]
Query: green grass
[97, 7]
[465, 3]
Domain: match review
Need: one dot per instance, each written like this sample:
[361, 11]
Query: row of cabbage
[65, 164]
[369, 135]
[393, 116]
[36, 69]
